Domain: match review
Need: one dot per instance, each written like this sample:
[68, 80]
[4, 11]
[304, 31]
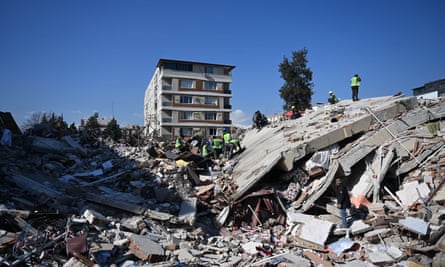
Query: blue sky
[78, 57]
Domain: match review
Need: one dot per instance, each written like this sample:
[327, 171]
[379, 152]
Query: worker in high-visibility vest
[227, 147]
[355, 84]
[179, 145]
[217, 146]
[231, 143]
[206, 149]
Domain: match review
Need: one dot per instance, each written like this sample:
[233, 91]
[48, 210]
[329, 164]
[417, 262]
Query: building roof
[163, 60]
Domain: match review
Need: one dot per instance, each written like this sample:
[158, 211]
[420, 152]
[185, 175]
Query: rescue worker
[230, 144]
[228, 147]
[206, 149]
[179, 145]
[295, 113]
[236, 144]
[355, 84]
[332, 99]
[343, 200]
[217, 146]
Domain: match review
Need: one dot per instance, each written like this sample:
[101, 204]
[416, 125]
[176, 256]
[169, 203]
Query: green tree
[113, 130]
[92, 122]
[297, 88]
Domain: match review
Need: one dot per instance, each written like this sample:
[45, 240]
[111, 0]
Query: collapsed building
[271, 205]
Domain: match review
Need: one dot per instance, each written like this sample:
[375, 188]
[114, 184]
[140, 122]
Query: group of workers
[212, 146]
[355, 85]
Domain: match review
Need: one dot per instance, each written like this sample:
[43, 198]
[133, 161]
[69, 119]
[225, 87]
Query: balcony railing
[166, 103]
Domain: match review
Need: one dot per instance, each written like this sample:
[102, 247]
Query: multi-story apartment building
[188, 98]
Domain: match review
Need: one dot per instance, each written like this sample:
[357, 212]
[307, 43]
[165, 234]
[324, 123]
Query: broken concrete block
[410, 192]
[144, 248]
[184, 255]
[316, 231]
[298, 217]
[375, 235]
[394, 252]
[379, 258]
[251, 247]
[94, 217]
[187, 212]
[359, 226]
[341, 245]
[73, 262]
[132, 223]
[415, 225]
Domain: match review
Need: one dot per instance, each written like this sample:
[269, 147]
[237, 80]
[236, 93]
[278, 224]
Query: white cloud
[240, 118]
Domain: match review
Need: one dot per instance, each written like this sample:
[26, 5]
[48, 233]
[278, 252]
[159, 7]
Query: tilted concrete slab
[293, 140]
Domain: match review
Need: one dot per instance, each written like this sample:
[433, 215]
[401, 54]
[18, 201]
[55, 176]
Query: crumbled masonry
[69, 202]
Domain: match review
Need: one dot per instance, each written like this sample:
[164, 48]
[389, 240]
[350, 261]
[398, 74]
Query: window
[210, 85]
[184, 67]
[186, 115]
[185, 99]
[187, 84]
[210, 70]
[178, 66]
[212, 131]
[186, 131]
[210, 116]
[211, 101]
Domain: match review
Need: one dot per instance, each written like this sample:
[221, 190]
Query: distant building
[431, 90]
[188, 98]
[102, 123]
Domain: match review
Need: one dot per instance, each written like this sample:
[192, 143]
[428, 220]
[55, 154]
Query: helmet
[292, 107]
[207, 142]
[330, 92]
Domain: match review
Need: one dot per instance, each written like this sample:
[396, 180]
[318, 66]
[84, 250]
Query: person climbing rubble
[259, 120]
[332, 99]
[343, 200]
[231, 145]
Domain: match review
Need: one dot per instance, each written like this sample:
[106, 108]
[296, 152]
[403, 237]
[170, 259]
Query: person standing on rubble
[179, 145]
[343, 200]
[206, 149]
[355, 84]
[217, 146]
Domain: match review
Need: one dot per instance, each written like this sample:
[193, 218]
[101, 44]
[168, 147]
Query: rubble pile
[67, 201]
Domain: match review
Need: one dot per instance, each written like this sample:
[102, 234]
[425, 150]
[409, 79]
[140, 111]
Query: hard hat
[292, 107]
[330, 92]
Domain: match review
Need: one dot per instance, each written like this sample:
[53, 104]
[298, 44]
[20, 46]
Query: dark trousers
[354, 93]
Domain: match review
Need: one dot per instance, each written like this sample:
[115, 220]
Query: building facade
[432, 89]
[188, 98]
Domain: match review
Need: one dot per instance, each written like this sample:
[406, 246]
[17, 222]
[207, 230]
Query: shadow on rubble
[76, 196]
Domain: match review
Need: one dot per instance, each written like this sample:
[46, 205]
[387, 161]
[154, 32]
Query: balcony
[227, 106]
[227, 91]
[227, 121]
[166, 103]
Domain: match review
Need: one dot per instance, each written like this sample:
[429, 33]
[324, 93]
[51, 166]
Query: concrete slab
[292, 140]
[187, 212]
[316, 231]
[415, 225]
